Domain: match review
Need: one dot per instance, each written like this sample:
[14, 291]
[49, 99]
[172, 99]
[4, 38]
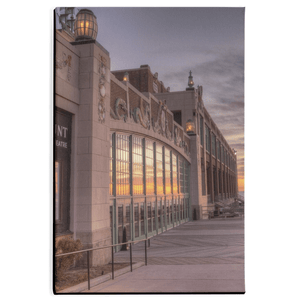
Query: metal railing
[112, 255]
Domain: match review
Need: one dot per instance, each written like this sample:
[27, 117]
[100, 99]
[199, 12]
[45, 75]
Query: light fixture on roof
[190, 127]
[191, 81]
[126, 77]
[86, 27]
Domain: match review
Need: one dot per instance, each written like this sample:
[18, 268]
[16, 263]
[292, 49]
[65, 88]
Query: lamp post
[85, 27]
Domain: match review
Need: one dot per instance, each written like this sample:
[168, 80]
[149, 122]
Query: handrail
[112, 253]
[98, 248]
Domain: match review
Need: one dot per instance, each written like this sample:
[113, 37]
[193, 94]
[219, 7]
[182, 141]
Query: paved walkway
[204, 256]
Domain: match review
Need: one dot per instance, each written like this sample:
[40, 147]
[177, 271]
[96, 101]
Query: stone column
[211, 175]
[217, 170]
[195, 178]
[93, 224]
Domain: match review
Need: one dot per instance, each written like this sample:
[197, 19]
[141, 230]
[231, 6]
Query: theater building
[131, 157]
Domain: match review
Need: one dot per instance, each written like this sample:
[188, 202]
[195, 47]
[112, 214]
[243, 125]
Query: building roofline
[134, 69]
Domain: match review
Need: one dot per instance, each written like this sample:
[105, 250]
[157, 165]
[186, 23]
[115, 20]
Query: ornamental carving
[161, 124]
[66, 61]
[119, 105]
[169, 134]
[185, 147]
[177, 137]
[101, 90]
[142, 116]
[200, 102]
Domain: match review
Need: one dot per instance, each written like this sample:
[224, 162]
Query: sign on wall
[62, 130]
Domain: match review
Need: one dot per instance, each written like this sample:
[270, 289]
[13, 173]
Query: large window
[159, 169]
[186, 178]
[213, 144]
[122, 165]
[208, 179]
[155, 169]
[177, 116]
[141, 166]
[207, 138]
[111, 166]
[167, 171]
[223, 155]
[181, 175]
[201, 130]
[137, 166]
[149, 168]
[174, 174]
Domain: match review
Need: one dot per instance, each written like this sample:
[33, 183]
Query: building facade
[213, 161]
[125, 165]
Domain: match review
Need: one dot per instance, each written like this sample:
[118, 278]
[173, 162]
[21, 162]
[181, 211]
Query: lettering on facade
[61, 132]
[61, 144]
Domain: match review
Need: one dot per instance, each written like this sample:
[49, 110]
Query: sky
[174, 40]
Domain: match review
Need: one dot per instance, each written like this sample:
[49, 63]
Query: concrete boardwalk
[204, 256]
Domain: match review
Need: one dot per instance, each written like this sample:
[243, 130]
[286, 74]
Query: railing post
[112, 263]
[130, 257]
[146, 252]
[88, 266]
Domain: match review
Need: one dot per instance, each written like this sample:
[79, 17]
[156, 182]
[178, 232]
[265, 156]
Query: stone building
[129, 156]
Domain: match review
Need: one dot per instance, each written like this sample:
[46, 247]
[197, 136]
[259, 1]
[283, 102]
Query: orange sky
[241, 184]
